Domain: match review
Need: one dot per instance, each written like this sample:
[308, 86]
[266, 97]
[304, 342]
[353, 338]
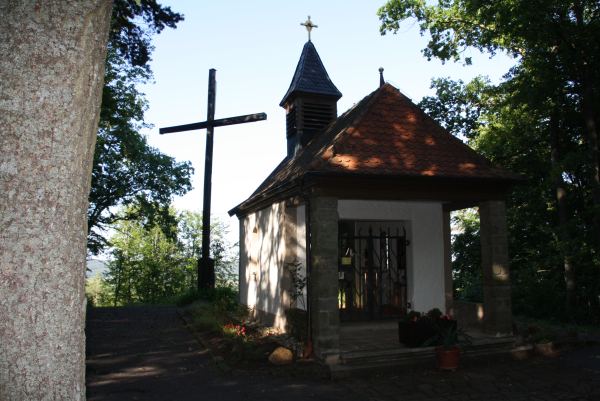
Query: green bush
[196, 310]
[296, 324]
[543, 337]
[228, 293]
[207, 322]
[410, 316]
[254, 352]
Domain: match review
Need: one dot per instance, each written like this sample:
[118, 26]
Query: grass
[214, 316]
[207, 322]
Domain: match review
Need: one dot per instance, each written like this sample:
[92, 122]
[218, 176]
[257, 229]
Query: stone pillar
[494, 257]
[324, 278]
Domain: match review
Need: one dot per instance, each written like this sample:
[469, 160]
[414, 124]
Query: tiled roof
[311, 76]
[387, 134]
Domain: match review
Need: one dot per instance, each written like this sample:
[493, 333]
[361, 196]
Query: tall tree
[556, 44]
[126, 170]
[51, 73]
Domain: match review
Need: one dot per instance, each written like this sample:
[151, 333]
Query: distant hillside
[96, 265]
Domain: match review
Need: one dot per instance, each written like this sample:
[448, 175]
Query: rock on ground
[281, 356]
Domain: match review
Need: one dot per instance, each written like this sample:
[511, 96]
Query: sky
[255, 47]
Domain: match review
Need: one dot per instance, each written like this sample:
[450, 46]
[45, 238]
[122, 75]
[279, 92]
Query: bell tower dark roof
[311, 77]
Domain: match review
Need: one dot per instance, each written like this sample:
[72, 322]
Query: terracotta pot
[448, 360]
[545, 349]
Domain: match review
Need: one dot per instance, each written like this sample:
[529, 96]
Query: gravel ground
[147, 353]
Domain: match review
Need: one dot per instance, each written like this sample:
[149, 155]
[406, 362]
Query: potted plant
[449, 341]
[417, 328]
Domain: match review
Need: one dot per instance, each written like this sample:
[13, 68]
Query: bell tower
[311, 100]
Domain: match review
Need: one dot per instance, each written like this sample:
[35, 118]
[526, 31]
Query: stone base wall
[469, 315]
[269, 319]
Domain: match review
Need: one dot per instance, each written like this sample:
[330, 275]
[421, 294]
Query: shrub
[209, 294]
[297, 324]
[410, 316]
[543, 337]
[207, 322]
[231, 331]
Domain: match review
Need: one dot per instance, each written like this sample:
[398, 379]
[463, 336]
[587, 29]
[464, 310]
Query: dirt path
[146, 353]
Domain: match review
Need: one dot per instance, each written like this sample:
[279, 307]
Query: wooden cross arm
[215, 123]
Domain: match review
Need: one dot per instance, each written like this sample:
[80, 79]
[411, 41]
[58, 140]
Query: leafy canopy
[126, 170]
[541, 122]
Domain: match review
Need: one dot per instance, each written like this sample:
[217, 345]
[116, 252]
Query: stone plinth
[324, 278]
[495, 261]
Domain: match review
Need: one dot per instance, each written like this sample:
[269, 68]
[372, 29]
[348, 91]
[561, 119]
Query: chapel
[362, 200]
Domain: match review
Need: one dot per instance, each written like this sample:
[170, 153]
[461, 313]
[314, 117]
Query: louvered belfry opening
[310, 102]
[305, 117]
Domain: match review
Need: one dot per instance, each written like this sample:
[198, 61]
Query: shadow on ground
[146, 353]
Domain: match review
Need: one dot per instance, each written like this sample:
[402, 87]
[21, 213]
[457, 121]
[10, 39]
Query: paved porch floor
[363, 336]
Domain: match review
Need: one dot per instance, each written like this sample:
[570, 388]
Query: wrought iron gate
[372, 276]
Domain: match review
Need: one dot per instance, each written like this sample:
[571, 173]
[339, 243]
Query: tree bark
[52, 57]
[563, 206]
[587, 101]
[119, 270]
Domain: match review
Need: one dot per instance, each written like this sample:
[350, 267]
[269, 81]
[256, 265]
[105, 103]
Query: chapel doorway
[371, 270]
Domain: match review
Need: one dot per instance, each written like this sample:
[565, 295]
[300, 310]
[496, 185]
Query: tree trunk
[587, 102]
[119, 270]
[52, 58]
[563, 206]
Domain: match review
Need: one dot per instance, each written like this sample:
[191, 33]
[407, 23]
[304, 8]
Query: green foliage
[448, 337]
[555, 324]
[207, 323]
[232, 332]
[132, 24]
[540, 122]
[253, 352]
[152, 263]
[432, 315]
[412, 315]
[543, 337]
[297, 324]
[97, 291]
[466, 256]
[227, 292]
[459, 107]
[126, 170]
[298, 282]
[226, 260]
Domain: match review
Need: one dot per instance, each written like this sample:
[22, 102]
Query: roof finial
[309, 26]
[381, 81]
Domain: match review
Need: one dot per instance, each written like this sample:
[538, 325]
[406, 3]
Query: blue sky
[255, 46]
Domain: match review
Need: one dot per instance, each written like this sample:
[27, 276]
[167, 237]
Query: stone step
[480, 347]
[357, 363]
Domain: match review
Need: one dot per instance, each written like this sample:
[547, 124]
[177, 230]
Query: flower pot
[545, 349]
[448, 360]
[414, 334]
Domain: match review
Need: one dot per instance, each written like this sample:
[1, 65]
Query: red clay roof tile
[386, 133]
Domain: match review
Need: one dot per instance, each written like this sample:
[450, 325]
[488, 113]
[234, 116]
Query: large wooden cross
[206, 265]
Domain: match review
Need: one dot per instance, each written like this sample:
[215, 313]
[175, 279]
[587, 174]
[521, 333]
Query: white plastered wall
[262, 250]
[301, 248]
[425, 255]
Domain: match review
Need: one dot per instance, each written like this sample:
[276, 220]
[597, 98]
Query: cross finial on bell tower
[309, 26]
